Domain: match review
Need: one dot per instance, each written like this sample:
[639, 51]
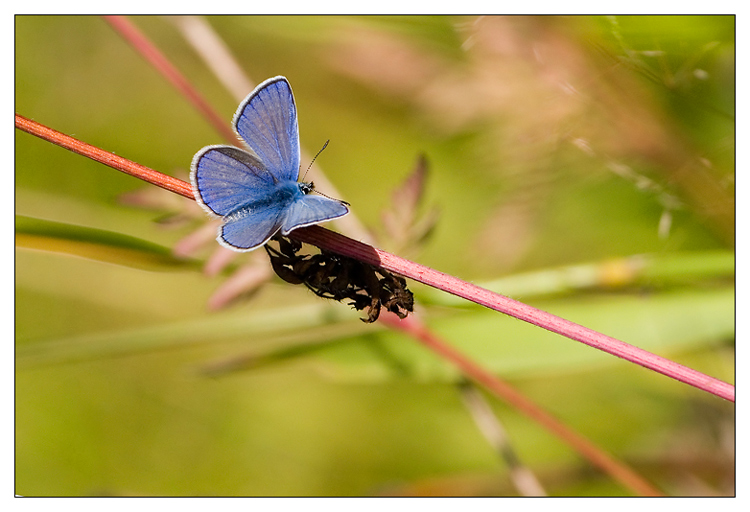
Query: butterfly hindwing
[308, 210]
[251, 228]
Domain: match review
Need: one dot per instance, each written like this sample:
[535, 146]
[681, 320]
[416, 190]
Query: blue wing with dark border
[252, 229]
[225, 178]
[267, 121]
[308, 210]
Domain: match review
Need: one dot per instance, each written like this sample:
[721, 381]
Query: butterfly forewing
[267, 121]
[226, 178]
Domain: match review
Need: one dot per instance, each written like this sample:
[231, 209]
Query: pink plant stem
[116, 162]
[345, 246]
[340, 244]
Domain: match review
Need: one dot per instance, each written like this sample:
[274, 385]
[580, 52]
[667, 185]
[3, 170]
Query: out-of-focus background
[584, 165]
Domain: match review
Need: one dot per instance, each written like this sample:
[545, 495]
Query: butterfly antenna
[316, 156]
[329, 197]
[312, 185]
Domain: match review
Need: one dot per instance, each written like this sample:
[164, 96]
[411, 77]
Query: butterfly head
[306, 188]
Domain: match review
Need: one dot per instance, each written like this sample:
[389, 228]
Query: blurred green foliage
[556, 145]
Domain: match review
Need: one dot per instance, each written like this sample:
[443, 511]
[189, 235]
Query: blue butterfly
[258, 195]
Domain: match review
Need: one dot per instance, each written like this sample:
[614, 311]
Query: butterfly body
[279, 197]
[257, 194]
